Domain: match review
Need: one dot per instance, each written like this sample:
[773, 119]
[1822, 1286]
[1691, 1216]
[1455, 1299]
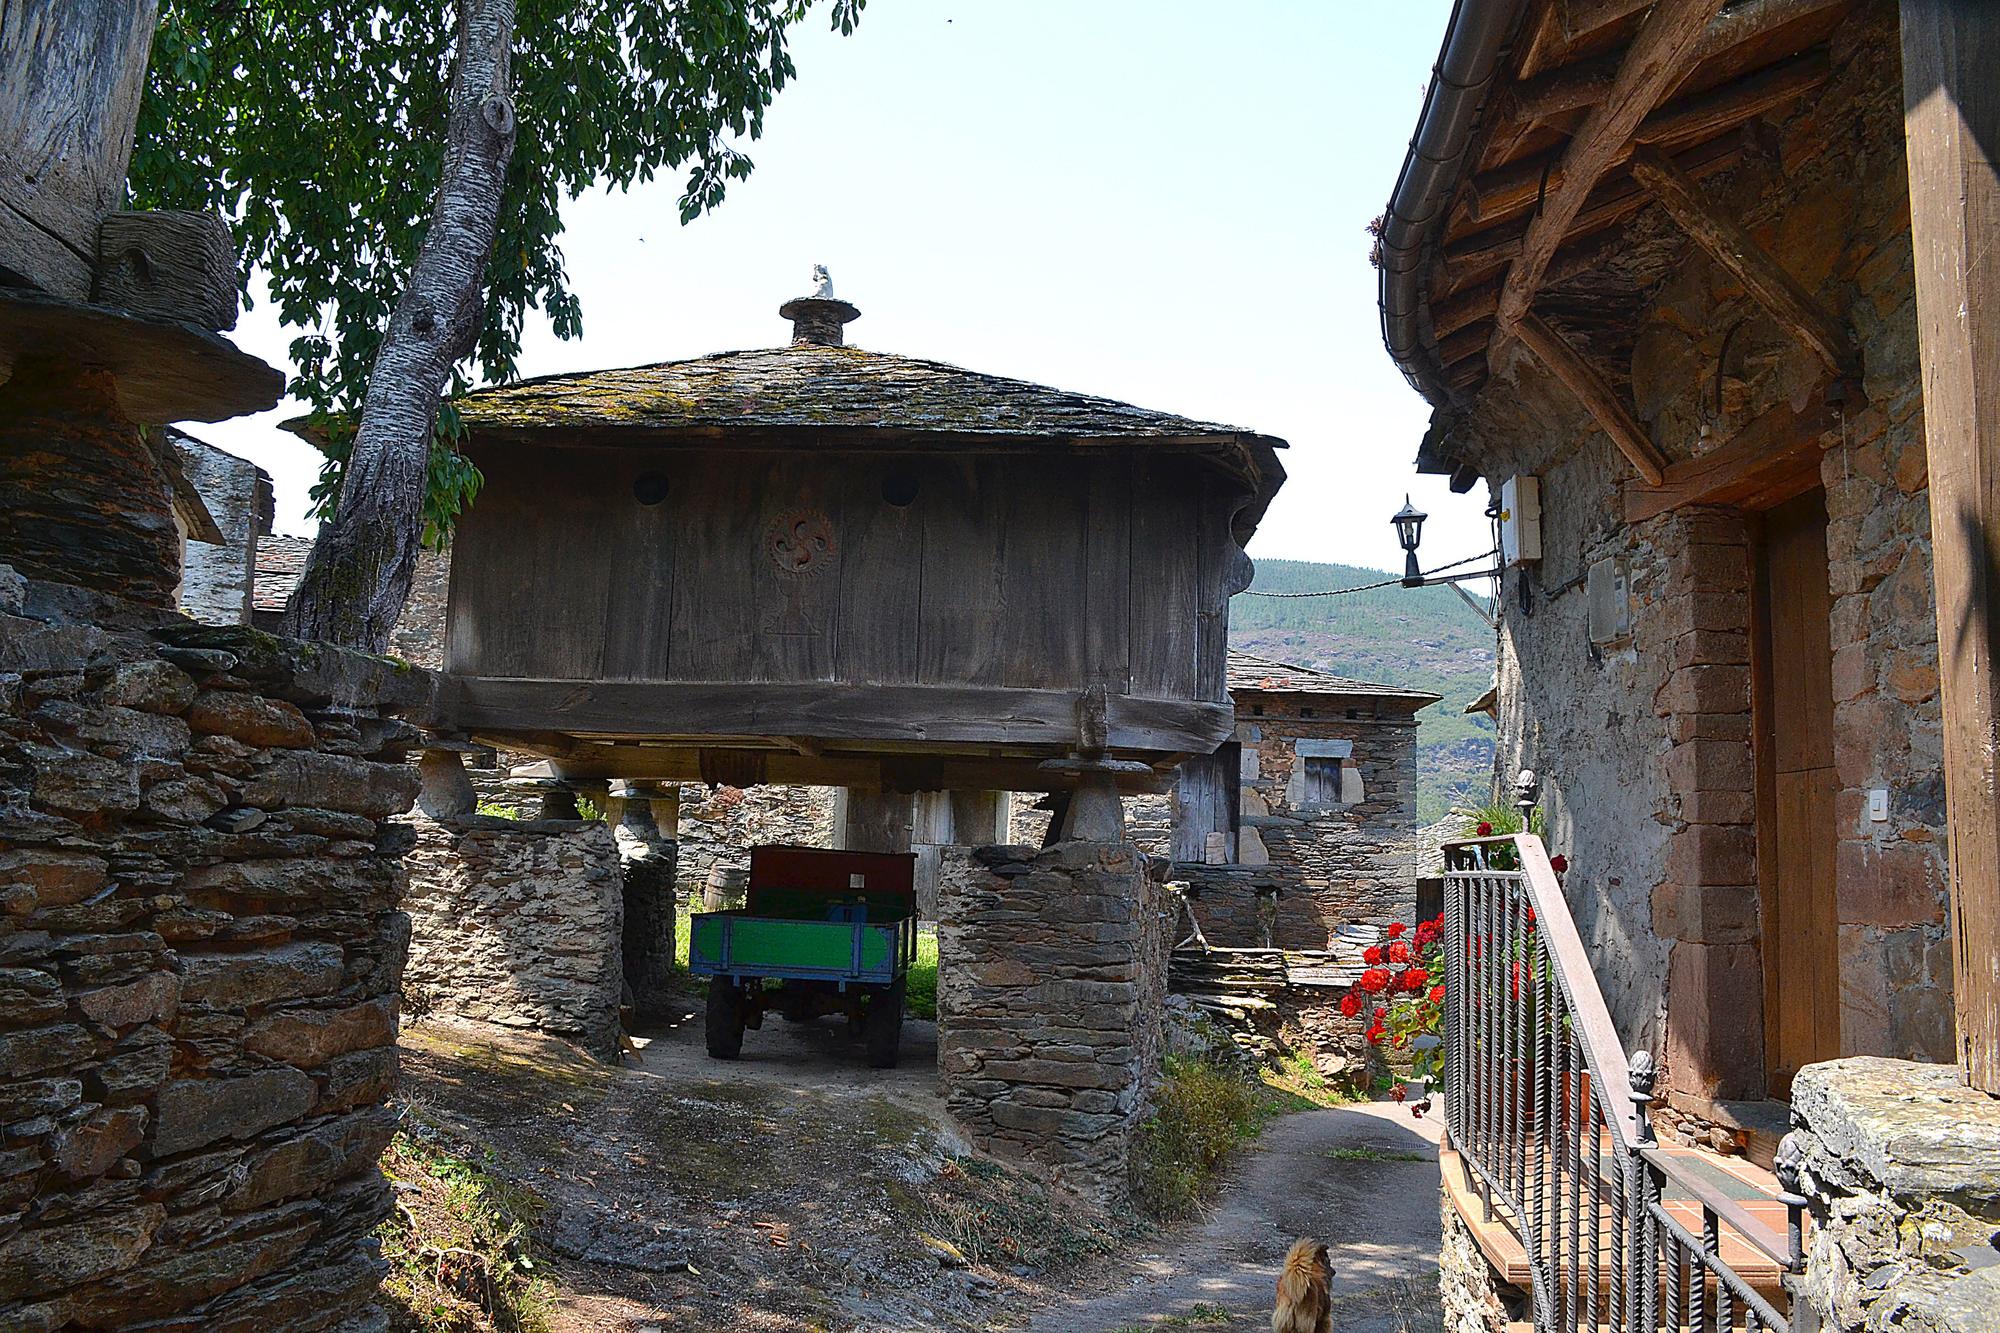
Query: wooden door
[1795, 789]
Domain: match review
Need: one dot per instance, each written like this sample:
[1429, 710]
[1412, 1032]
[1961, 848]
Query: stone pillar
[646, 859]
[945, 820]
[1051, 986]
[446, 792]
[1707, 901]
[1900, 1165]
[83, 500]
[866, 820]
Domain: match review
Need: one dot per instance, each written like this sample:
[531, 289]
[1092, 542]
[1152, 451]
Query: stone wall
[216, 579]
[519, 923]
[1641, 738]
[722, 824]
[1051, 985]
[199, 955]
[1475, 1300]
[419, 633]
[1901, 1165]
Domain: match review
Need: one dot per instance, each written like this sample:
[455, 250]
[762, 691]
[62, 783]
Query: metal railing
[1548, 1118]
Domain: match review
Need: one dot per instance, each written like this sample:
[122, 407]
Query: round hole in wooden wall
[649, 488]
[899, 488]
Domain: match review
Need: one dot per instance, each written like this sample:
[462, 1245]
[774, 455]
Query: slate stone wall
[216, 579]
[1051, 988]
[1475, 1300]
[1901, 1165]
[199, 953]
[722, 824]
[519, 923]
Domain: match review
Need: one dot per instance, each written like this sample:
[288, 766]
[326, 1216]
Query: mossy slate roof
[1250, 674]
[811, 385]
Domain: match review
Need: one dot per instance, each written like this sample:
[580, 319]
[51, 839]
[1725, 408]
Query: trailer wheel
[725, 1019]
[882, 1026]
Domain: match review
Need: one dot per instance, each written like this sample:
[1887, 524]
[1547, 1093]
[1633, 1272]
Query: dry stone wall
[1901, 1165]
[720, 825]
[199, 954]
[518, 923]
[1051, 989]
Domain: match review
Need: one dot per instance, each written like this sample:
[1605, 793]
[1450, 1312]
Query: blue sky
[1154, 200]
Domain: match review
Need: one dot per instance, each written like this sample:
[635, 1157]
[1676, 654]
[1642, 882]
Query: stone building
[218, 578]
[1656, 270]
[1303, 822]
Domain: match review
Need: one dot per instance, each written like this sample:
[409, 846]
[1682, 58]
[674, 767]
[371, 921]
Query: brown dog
[1303, 1305]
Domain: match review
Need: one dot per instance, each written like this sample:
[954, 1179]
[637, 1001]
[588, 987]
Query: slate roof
[844, 391]
[1249, 674]
[281, 562]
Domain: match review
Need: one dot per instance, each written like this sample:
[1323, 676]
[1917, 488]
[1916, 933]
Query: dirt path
[1362, 1178]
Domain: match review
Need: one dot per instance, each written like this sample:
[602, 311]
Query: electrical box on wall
[1520, 520]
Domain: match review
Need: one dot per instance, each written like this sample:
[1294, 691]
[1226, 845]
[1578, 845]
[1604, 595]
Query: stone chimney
[819, 318]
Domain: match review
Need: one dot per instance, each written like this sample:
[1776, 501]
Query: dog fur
[1303, 1304]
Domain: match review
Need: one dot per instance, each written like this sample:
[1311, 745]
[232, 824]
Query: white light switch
[1878, 804]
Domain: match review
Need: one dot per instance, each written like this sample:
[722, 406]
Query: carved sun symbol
[800, 542]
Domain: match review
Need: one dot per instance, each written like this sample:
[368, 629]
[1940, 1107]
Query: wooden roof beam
[1655, 61]
[1595, 393]
[1732, 246]
[1571, 87]
[1494, 195]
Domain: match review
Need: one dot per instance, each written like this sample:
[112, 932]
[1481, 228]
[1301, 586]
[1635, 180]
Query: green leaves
[317, 127]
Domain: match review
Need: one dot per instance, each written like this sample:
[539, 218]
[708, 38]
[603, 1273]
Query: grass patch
[920, 999]
[1376, 1155]
[1297, 1077]
[457, 1243]
[1202, 1314]
[1200, 1113]
[1004, 1218]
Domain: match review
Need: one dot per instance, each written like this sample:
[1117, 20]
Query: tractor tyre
[725, 1019]
[882, 1026]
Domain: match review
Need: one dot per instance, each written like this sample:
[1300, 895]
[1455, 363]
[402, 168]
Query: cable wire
[1366, 587]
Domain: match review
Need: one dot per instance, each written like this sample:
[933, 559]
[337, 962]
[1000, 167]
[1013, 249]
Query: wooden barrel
[726, 887]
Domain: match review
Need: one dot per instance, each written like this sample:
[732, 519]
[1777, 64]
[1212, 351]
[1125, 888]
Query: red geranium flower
[1398, 952]
[1350, 1004]
[1559, 863]
[1413, 980]
[1372, 955]
[1375, 980]
[1437, 995]
[1398, 1093]
[1427, 934]
[1374, 1035]
[1395, 929]
[1514, 982]
[1485, 829]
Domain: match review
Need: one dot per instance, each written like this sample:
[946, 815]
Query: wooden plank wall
[1043, 570]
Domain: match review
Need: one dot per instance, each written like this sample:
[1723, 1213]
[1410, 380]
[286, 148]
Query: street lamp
[1409, 523]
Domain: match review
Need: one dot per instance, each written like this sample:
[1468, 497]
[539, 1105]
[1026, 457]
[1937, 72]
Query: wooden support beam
[1572, 87]
[1731, 245]
[1951, 123]
[1654, 62]
[1772, 458]
[1596, 395]
[1486, 251]
[875, 716]
[1504, 191]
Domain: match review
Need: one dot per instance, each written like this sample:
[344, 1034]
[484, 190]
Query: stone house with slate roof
[1302, 822]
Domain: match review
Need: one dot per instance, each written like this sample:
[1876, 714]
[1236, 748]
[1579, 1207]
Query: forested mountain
[1423, 638]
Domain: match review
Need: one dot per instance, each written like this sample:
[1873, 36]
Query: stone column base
[1051, 986]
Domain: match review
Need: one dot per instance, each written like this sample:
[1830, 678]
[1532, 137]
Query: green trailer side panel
[758, 942]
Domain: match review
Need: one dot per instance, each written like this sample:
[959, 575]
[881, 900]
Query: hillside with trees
[1422, 638]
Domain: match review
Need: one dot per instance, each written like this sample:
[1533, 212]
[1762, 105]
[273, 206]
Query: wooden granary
[821, 564]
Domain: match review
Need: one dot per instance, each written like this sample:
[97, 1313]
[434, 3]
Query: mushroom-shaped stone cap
[819, 318]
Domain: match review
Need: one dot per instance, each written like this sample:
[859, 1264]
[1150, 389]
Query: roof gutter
[1474, 41]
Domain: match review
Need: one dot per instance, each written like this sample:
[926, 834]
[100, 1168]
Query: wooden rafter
[1732, 246]
[1655, 61]
[1495, 195]
[1572, 87]
[1595, 393]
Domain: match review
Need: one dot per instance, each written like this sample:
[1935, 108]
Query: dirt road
[1362, 1178]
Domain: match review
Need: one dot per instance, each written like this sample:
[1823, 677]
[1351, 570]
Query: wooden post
[1951, 120]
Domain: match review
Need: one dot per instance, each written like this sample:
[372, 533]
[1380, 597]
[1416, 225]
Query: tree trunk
[359, 574]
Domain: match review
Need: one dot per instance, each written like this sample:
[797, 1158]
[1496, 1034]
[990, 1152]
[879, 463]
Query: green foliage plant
[1201, 1112]
[317, 127]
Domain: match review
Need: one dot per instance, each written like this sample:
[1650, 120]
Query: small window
[1322, 782]
[1256, 710]
[900, 487]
